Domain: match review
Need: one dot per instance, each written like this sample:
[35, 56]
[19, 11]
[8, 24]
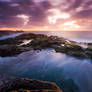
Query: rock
[10, 50]
[12, 46]
[29, 85]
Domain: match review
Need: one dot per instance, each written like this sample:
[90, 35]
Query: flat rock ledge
[29, 85]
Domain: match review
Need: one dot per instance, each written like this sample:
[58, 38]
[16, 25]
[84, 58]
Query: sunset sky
[46, 14]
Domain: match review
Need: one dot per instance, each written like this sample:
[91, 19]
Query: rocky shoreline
[12, 46]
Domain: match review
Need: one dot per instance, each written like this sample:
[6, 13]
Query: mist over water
[79, 36]
[49, 66]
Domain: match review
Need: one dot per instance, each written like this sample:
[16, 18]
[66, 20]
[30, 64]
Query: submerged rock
[29, 85]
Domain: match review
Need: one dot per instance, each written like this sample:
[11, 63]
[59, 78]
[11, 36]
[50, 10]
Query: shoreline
[31, 41]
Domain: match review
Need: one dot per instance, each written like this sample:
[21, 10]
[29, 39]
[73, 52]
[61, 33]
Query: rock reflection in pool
[49, 66]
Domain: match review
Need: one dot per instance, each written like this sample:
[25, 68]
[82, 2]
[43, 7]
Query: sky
[46, 15]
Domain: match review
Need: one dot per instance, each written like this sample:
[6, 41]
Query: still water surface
[49, 66]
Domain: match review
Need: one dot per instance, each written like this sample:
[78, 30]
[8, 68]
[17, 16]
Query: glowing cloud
[57, 15]
[71, 25]
[79, 9]
[24, 17]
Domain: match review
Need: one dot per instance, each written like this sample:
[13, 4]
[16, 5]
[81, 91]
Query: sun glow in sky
[46, 14]
[71, 25]
[56, 15]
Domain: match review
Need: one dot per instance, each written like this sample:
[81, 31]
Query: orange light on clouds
[71, 25]
[26, 29]
[42, 29]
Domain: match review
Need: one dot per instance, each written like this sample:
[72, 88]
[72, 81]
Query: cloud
[37, 11]
[76, 4]
[84, 14]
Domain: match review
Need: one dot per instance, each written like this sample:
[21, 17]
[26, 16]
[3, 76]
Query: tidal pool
[48, 65]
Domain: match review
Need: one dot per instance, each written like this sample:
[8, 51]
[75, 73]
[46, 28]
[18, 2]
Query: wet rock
[10, 50]
[39, 41]
[28, 85]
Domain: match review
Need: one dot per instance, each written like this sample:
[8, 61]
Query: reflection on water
[10, 36]
[49, 66]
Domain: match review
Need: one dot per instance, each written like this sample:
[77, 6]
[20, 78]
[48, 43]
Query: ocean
[79, 36]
